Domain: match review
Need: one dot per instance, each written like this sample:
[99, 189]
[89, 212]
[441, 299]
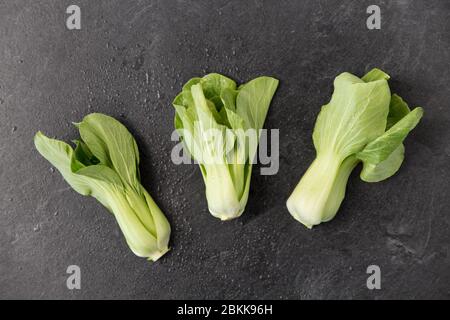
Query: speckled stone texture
[130, 59]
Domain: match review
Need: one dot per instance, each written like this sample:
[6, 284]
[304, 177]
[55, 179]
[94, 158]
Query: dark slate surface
[129, 61]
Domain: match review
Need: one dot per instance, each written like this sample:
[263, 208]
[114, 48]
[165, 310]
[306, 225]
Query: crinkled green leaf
[374, 75]
[103, 183]
[83, 154]
[355, 116]
[228, 98]
[397, 110]
[213, 84]
[60, 155]
[112, 144]
[379, 149]
[385, 169]
[253, 101]
[212, 145]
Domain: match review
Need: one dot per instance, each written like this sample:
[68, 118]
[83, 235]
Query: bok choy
[361, 123]
[105, 165]
[220, 125]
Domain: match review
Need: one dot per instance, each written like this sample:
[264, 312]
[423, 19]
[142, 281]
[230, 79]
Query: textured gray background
[50, 76]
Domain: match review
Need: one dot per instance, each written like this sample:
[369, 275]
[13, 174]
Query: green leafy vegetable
[105, 165]
[220, 126]
[362, 122]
